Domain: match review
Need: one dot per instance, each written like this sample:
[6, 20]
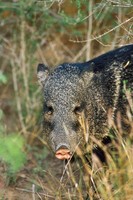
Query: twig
[89, 32]
[33, 192]
[80, 53]
[19, 108]
[30, 191]
[107, 32]
[118, 29]
[23, 64]
[117, 3]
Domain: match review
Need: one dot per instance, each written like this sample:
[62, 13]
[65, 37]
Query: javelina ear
[42, 73]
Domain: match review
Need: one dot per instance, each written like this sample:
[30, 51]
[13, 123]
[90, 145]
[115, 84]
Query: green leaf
[1, 114]
[3, 78]
[11, 151]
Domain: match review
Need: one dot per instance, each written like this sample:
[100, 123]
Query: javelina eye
[78, 109]
[50, 110]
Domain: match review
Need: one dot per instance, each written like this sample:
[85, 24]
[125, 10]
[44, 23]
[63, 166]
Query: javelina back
[91, 88]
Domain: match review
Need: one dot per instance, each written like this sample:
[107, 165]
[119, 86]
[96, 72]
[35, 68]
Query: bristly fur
[91, 88]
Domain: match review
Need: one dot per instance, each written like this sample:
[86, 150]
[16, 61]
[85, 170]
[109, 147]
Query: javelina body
[91, 88]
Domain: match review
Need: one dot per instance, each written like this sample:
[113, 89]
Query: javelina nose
[63, 153]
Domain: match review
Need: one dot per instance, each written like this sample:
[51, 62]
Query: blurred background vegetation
[50, 32]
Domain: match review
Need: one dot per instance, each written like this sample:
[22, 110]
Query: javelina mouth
[63, 154]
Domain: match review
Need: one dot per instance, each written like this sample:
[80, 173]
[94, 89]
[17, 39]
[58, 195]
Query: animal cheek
[76, 126]
[48, 126]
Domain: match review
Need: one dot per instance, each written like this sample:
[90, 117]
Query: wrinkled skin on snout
[64, 104]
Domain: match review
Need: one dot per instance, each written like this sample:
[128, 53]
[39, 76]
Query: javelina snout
[63, 152]
[62, 132]
[62, 143]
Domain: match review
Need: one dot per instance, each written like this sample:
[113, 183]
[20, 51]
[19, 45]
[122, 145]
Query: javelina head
[64, 103]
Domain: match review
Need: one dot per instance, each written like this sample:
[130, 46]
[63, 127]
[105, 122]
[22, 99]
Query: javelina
[91, 88]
